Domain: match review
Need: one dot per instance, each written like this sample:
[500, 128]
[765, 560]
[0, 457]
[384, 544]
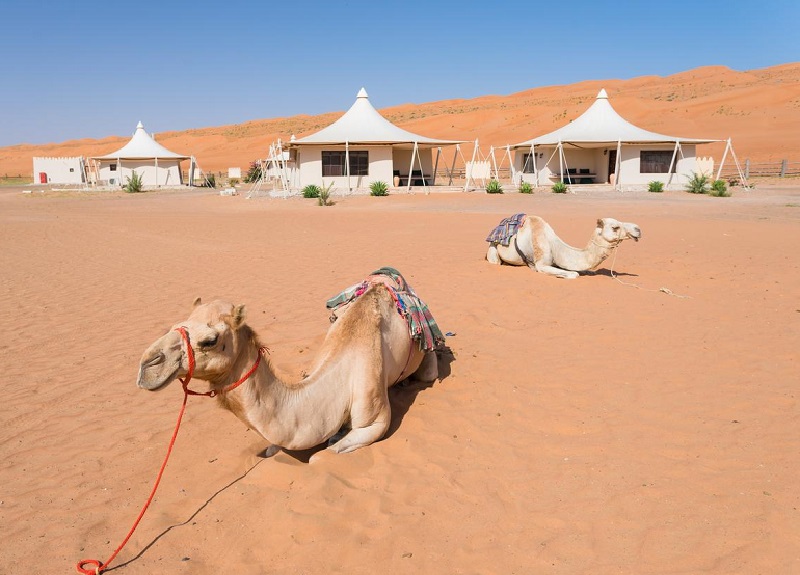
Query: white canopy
[142, 147]
[601, 124]
[362, 124]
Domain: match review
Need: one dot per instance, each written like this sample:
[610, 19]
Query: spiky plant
[494, 187]
[560, 188]
[719, 189]
[378, 189]
[324, 198]
[655, 186]
[525, 188]
[697, 184]
[135, 183]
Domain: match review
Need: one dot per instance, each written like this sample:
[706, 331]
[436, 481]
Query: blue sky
[90, 69]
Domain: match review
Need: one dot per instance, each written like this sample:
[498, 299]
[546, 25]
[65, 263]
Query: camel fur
[364, 353]
[536, 245]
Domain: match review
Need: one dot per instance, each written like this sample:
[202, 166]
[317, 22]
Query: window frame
[333, 159]
[657, 162]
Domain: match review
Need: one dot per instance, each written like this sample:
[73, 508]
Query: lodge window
[528, 161]
[112, 167]
[651, 162]
[333, 163]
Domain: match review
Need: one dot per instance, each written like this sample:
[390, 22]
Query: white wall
[383, 161]
[58, 170]
[168, 172]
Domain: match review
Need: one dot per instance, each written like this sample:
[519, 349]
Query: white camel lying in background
[367, 350]
[535, 244]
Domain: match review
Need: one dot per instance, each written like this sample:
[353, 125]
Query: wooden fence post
[747, 168]
[783, 168]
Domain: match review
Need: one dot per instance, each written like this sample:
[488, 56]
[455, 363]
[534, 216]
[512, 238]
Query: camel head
[216, 332]
[614, 231]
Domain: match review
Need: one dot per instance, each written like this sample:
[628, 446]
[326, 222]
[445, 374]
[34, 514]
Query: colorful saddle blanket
[421, 326]
[503, 233]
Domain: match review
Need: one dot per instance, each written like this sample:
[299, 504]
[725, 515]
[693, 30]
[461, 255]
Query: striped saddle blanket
[421, 326]
[503, 233]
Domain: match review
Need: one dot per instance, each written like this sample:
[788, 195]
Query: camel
[536, 245]
[367, 350]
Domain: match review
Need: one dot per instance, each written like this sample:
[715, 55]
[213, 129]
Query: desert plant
[135, 184]
[697, 184]
[560, 188]
[233, 182]
[494, 187]
[253, 173]
[655, 186]
[311, 191]
[719, 189]
[378, 189]
[210, 181]
[525, 188]
[324, 197]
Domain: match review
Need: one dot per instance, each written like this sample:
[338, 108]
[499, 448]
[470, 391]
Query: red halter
[190, 372]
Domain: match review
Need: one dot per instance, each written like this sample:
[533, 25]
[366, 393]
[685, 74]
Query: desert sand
[600, 425]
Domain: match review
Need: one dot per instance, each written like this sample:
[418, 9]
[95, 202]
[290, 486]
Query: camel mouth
[155, 381]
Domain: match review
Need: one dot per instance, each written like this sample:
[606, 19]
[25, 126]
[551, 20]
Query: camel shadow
[401, 397]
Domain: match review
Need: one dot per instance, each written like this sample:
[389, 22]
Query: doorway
[612, 165]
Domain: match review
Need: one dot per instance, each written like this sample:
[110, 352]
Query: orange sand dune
[758, 109]
[588, 426]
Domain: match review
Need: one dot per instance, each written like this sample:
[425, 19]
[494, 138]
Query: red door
[42, 177]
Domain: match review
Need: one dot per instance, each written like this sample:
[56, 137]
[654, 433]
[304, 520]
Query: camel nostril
[155, 360]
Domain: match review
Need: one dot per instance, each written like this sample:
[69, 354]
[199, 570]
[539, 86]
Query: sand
[592, 426]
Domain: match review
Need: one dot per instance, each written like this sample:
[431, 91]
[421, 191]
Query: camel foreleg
[428, 369]
[492, 256]
[361, 435]
[554, 271]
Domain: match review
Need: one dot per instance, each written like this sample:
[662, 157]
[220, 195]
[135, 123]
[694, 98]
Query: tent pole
[411, 167]
[535, 167]
[617, 166]
[511, 164]
[724, 155]
[347, 164]
[561, 161]
[672, 162]
[436, 165]
[468, 173]
[453, 166]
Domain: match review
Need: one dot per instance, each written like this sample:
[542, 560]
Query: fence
[781, 169]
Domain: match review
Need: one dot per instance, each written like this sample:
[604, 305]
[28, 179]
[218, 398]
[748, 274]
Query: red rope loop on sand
[100, 567]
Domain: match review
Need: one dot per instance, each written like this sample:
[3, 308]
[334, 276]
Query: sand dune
[586, 426]
[758, 109]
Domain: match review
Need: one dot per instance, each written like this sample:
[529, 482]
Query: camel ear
[197, 301]
[599, 222]
[238, 315]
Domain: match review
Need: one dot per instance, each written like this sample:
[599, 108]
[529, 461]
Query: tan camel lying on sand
[536, 245]
[366, 351]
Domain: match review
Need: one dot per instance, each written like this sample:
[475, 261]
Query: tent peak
[602, 94]
[362, 93]
[140, 126]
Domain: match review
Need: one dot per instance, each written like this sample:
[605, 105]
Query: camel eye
[208, 341]
[615, 229]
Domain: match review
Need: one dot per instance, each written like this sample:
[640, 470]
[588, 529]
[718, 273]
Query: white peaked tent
[156, 165]
[363, 147]
[601, 146]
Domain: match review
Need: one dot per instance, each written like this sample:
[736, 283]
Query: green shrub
[719, 189]
[134, 185]
[525, 188]
[233, 182]
[697, 184]
[494, 187]
[311, 191]
[324, 198]
[655, 186]
[378, 189]
[560, 188]
[253, 173]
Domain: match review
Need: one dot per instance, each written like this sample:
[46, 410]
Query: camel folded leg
[361, 435]
[492, 256]
[428, 370]
[554, 271]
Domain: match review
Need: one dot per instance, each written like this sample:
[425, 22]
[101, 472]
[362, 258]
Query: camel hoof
[271, 450]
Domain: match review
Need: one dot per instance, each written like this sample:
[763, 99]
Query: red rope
[100, 567]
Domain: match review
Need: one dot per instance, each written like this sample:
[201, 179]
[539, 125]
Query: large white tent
[363, 147]
[601, 146]
[155, 164]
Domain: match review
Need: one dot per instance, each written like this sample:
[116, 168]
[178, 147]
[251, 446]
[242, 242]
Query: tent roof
[142, 147]
[363, 124]
[601, 124]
